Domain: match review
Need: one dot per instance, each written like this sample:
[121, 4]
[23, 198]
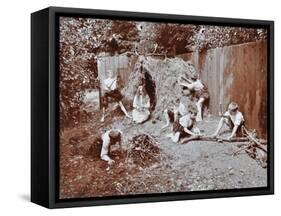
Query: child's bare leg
[187, 139]
[115, 106]
[103, 114]
[167, 119]
[219, 127]
[174, 136]
[124, 109]
[199, 105]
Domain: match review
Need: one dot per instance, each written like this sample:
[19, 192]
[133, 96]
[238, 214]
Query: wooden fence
[234, 73]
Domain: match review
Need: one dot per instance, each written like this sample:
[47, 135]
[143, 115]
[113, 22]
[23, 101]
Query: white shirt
[236, 119]
[105, 143]
[197, 85]
[141, 108]
[186, 121]
[182, 109]
[110, 84]
[141, 102]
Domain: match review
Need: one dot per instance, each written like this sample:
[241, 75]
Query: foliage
[207, 37]
[174, 38]
[83, 39]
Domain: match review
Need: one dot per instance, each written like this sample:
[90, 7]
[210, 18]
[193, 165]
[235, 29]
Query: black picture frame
[44, 107]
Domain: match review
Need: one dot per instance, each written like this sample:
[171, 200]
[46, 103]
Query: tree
[174, 38]
[81, 40]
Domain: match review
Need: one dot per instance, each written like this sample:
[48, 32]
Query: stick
[188, 139]
[249, 145]
[220, 111]
[151, 137]
[206, 138]
[185, 79]
[259, 145]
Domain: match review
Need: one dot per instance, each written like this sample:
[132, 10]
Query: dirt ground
[194, 166]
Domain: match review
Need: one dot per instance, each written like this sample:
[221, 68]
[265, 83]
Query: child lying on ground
[233, 119]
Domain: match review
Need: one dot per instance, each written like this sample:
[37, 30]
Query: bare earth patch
[158, 167]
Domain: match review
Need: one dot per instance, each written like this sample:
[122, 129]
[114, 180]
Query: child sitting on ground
[141, 105]
[233, 119]
[172, 115]
[184, 126]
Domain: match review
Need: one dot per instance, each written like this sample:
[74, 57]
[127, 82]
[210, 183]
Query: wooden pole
[206, 138]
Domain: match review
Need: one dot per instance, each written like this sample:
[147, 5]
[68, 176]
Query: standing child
[112, 92]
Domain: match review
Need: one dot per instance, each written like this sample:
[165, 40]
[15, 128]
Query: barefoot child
[233, 119]
[198, 90]
[111, 92]
[183, 127]
[172, 116]
[178, 111]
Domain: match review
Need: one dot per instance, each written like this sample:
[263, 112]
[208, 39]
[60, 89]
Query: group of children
[141, 103]
[181, 118]
[184, 116]
[140, 113]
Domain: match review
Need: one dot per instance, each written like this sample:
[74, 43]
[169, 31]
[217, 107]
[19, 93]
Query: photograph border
[52, 183]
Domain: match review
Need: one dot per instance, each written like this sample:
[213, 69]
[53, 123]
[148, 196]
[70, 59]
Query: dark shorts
[171, 116]
[239, 132]
[110, 97]
[178, 128]
[203, 93]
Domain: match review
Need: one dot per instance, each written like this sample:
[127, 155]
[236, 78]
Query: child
[112, 92]
[141, 105]
[233, 119]
[109, 138]
[199, 91]
[184, 126]
[179, 111]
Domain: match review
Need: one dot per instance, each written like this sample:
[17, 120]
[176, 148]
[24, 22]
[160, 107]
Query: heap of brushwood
[164, 73]
[144, 150]
[256, 148]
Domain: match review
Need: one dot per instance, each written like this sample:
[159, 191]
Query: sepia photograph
[154, 107]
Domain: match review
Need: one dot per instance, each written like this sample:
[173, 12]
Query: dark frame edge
[54, 203]
[164, 198]
[53, 100]
[159, 16]
[271, 105]
[39, 108]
